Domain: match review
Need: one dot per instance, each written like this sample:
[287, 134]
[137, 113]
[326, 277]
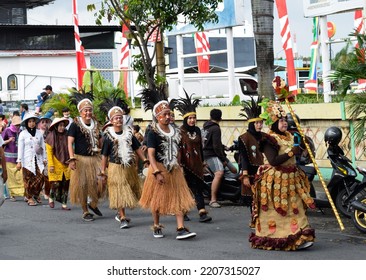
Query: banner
[124, 60]
[80, 58]
[202, 46]
[287, 45]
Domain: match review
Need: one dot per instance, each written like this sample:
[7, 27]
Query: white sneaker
[124, 224]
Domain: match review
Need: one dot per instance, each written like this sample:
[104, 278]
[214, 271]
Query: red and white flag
[287, 45]
[359, 27]
[80, 58]
[202, 45]
[123, 61]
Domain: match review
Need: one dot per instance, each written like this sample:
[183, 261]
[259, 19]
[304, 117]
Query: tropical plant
[144, 19]
[351, 69]
[101, 88]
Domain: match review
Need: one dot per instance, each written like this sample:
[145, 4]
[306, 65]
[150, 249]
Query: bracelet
[72, 158]
[146, 161]
[245, 172]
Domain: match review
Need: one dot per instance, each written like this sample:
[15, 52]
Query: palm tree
[262, 14]
[350, 68]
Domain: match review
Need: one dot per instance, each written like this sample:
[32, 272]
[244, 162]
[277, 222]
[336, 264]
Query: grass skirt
[84, 181]
[124, 186]
[15, 182]
[173, 197]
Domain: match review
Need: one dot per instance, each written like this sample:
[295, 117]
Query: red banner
[80, 58]
[287, 45]
[202, 46]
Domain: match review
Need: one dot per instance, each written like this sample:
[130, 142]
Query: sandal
[12, 199]
[31, 203]
[214, 204]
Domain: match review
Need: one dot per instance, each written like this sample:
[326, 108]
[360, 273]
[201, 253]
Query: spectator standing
[42, 97]
[213, 153]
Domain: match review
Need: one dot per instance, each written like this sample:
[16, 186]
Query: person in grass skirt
[57, 157]
[84, 142]
[165, 190]
[118, 154]
[281, 190]
[191, 153]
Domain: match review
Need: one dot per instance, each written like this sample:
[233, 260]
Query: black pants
[197, 186]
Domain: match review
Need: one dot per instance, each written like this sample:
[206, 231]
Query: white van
[213, 88]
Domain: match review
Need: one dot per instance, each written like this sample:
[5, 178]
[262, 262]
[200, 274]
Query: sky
[60, 12]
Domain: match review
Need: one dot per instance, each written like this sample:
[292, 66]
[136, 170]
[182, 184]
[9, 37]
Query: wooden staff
[315, 165]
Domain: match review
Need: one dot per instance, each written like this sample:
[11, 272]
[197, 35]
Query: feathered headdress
[113, 106]
[282, 90]
[272, 111]
[186, 106]
[154, 100]
[82, 100]
[251, 109]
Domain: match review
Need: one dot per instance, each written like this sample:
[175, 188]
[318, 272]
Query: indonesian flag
[80, 58]
[359, 29]
[123, 61]
[311, 84]
[202, 46]
[287, 44]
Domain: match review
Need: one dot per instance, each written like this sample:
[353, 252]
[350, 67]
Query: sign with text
[314, 8]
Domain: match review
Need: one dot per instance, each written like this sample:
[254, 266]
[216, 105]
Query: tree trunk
[262, 13]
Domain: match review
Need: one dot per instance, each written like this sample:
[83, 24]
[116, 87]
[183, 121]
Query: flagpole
[315, 164]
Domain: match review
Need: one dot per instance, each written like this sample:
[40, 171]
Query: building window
[12, 82]
[1, 84]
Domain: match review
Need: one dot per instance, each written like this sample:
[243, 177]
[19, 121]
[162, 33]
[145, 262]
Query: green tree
[144, 17]
[350, 67]
[262, 14]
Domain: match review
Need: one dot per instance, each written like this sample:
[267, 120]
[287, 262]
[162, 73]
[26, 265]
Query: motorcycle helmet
[291, 123]
[333, 135]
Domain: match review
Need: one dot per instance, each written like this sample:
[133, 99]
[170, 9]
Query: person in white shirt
[31, 158]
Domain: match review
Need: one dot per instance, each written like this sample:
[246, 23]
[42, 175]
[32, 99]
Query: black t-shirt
[107, 149]
[80, 142]
[154, 141]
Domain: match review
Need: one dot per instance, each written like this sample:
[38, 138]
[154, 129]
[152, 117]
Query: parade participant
[66, 115]
[281, 192]
[84, 142]
[15, 182]
[31, 158]
[165, 190]
[250, 158]
[191, 152]
[57, 157]
[4, 173]
[42, 98]
[118, 153]
[43, 126]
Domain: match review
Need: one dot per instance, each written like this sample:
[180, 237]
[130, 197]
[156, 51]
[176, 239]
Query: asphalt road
[42, 233]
